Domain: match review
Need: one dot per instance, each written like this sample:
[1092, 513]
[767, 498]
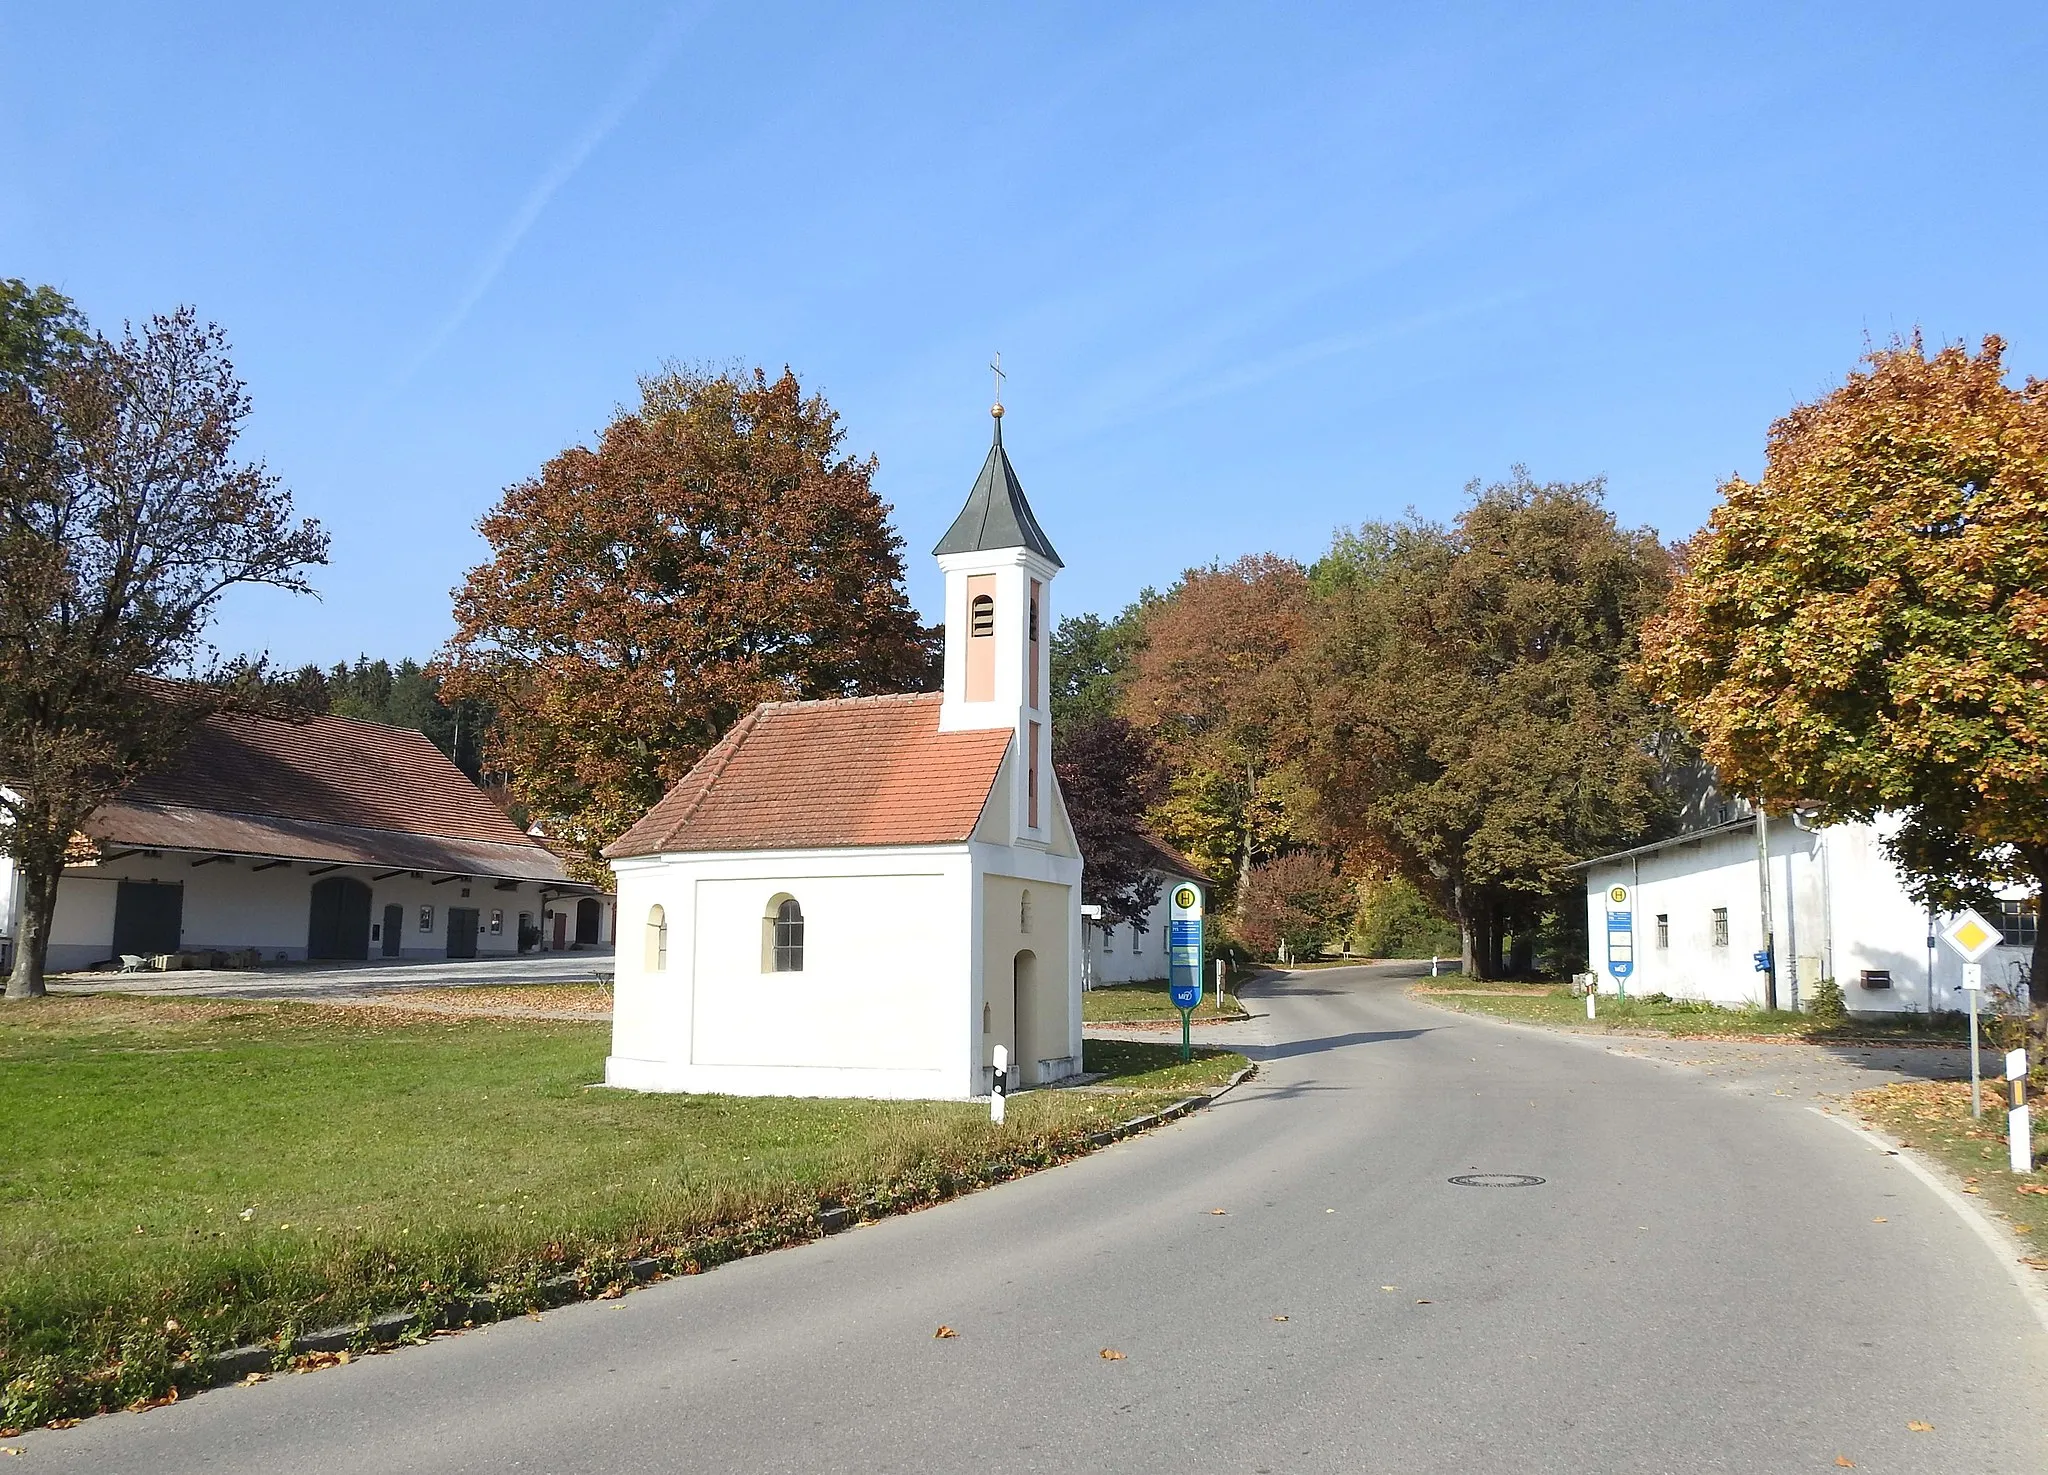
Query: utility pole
[1769, 963]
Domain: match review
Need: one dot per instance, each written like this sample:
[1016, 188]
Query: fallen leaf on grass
[2034, 1262]
[1969, 1188]
[945, 1331]
[1110, 1354]
[2032, 1187]
[1919, 1428]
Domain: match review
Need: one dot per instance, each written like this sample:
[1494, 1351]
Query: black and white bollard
[1000, 1092]
[2019, 1121]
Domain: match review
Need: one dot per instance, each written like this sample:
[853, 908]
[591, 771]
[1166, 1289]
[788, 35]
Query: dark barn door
[462, 932]
[148, 918]
[394, 927]
[340, 924]
[586, 920]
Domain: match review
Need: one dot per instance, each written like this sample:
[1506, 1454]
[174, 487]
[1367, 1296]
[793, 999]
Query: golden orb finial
[996, 409]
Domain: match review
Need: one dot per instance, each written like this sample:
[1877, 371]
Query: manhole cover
[1497, 1180]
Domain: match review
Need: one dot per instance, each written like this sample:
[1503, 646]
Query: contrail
[653, 60]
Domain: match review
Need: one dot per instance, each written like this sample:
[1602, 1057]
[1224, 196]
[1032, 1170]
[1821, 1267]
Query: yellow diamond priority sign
[1970, 935]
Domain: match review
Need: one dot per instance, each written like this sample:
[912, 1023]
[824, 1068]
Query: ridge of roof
[997, 515]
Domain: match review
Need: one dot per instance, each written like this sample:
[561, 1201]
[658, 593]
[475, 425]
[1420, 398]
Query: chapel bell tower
[999, 570]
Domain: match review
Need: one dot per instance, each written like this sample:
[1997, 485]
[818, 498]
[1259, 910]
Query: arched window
[1024, 913]
[657, 940]
[784, 925]
[981, 615]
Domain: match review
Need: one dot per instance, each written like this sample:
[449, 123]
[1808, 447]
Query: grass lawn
[1552, 1005]
[179, 1176]
[1934, 1117]
[1148, 1003]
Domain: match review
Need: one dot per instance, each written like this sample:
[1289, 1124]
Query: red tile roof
[797, 775]
[323, 789]
[1161, 856]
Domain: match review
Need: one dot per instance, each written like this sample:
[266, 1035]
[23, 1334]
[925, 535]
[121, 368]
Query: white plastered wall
[231, 905]
[882, 1007]
[1839, 908]
[1117, 960]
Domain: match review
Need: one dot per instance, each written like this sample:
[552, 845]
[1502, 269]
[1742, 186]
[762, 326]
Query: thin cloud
[652, 61]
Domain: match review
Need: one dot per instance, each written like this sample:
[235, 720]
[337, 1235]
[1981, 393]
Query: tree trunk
[1486, 942]
[1468, 941]
[32, 930]
[1522, 957]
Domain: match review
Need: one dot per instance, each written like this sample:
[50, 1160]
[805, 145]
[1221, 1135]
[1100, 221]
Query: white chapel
[866, 897]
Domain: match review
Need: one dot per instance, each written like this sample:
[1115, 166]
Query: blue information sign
[1621, 933]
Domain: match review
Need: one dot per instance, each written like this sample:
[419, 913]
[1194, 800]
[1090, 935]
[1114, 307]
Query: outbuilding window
[1663, 929]
[2020, 921]
[786, 937]
[1720, 926]
[657, 940]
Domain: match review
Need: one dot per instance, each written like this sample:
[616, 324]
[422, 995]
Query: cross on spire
[996, 365]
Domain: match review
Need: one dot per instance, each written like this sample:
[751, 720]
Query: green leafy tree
[39, 328]
[1472, 716]
[1091, 663]
[1865, 629]
[124, 516]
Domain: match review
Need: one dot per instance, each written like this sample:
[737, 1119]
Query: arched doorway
[588, 915]
[340, 923]
[1024, 1019]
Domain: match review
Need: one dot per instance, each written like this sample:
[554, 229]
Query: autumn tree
[713, 550]
[1092, 660]
[1213, 687]
[1296, 899]
[1473, 719]
[124, 516]
[1865, 629]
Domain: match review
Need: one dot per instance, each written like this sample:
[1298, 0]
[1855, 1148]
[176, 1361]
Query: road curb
[395, 1328]
[2006, 1246]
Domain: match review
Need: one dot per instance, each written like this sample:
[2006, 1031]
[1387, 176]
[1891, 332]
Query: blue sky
[1254, 271]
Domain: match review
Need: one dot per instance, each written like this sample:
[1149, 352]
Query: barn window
[2020, 921]
[1663, 929]
[783, 928]
[657, 940]
[1720, 926]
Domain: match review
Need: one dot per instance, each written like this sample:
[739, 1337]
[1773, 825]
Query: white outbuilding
[865, 897]
[1685, 917]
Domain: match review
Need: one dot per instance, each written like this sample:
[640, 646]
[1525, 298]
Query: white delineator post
[2019, 1121]
[998, 1093]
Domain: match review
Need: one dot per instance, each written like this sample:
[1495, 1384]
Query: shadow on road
[1328, 1042]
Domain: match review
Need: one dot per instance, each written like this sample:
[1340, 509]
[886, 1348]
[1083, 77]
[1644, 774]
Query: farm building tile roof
[804, 775]
[322, 789]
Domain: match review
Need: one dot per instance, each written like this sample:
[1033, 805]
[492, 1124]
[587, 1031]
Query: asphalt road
[1700, 1283]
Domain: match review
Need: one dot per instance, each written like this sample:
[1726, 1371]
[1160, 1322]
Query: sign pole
[1976, 1101]
[1972, 937]
[1186, 1045]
